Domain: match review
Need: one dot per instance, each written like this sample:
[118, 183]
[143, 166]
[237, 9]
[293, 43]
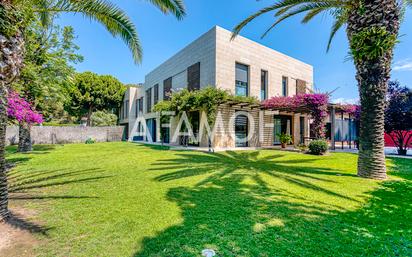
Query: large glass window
[137, 107]
[242, 80]
[155, 94]
[149, 100]
[263, 85]
[284, 86]
[126, 109]
[241, 130]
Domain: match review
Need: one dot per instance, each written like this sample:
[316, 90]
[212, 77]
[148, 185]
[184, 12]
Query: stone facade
[218, 56]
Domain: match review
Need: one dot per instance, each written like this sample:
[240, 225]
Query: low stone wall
[66, 135]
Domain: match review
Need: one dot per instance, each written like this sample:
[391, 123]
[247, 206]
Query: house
[241, 66]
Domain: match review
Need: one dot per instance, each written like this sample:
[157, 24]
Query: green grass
[122, 199]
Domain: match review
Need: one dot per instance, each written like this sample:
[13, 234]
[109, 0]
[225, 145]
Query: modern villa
[241, 66]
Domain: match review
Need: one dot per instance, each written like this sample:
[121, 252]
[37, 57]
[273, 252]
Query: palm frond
[318, 6]
[312, 14]
[171, 6]
[340, 20]
[288, 8]
[273, 7]
[44, 16]
[109, 15]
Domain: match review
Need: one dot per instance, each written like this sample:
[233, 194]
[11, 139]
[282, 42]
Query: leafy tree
[47, 72]
[398, 116]
[103, 118]
[92, 92]
[372, 28]
[15, 15]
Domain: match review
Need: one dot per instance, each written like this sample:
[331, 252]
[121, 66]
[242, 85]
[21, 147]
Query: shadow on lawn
[24, 185]
[255, 219]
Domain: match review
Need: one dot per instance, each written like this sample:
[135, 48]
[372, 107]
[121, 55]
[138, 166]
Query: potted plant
[285, 139]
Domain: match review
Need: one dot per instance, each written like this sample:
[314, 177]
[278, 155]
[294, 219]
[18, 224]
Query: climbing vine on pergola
[314, 104]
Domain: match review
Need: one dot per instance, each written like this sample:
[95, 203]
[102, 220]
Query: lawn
[123, 199]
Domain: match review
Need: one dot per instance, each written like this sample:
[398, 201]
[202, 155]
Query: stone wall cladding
[201, 50]
[257, 57]
[66, 135]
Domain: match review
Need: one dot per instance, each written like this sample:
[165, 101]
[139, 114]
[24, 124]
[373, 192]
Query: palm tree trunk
[11, 61]
[373, 76]
[25, 144]
[3, 176]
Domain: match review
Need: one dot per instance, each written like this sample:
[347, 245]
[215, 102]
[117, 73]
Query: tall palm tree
[14, 17]
[372, 28]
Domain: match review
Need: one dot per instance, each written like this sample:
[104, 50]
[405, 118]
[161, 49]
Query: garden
[125, 199]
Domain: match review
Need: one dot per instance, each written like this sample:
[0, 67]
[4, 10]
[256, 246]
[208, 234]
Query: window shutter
[300, 87]
[193, 77]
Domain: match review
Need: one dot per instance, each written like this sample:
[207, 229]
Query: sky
[163, 35]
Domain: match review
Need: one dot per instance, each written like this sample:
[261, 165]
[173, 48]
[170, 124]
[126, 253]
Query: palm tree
[372, 28]
[14, 17]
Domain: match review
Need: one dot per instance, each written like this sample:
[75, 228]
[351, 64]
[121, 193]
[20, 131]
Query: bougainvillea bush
[19, 109]
[351, 109]
[315, 104]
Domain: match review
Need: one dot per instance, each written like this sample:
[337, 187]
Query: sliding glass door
[282, 125]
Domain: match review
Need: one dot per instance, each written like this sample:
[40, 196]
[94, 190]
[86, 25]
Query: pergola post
[332, 127]
[341, 133]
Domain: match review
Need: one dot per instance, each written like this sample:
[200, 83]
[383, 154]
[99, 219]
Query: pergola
[341, 110]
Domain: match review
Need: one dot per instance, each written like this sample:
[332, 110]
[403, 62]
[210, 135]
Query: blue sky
[162, 36]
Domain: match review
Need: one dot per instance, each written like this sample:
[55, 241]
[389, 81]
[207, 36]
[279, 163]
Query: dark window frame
[137, 107]
[155, 94]
[285, 84]
[193, 77]
[264, 79]
[149, 100]
[126, 109]
[167, 88]
[239, 83]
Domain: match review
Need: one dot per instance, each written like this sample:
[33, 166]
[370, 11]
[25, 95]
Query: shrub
[318, 147]
[90, 141]
[103, 118]
[285, 138]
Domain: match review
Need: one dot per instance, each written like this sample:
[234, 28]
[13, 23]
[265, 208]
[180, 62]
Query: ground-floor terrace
[240, 125]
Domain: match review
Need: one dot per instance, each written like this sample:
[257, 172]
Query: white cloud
[403, 65]
[342, 100]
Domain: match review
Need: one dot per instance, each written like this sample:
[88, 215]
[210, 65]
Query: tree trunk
[25, 144]
[373, 76]
[89, 117]
[3, 176]
[11, 61]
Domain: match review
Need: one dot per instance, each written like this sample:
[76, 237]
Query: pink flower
[315, 104]
[19, 109]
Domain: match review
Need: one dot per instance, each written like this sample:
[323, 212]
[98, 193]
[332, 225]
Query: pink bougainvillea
[352, 109]
[315, 104]
[18, 108]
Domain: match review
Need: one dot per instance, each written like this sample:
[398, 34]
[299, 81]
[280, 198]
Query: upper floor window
[141, 105]
[137, 110]
[193, 77]
[167, 88]
[155, 94]
[284, 86]
[242, 80]
[126, 109]
[263, 85]
[149, 100]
